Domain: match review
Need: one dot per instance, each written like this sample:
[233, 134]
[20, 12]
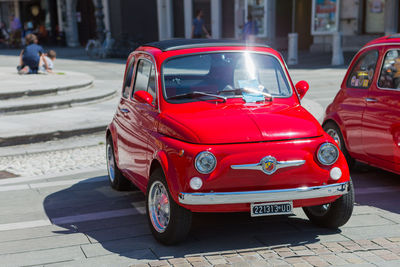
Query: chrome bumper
[263, 196]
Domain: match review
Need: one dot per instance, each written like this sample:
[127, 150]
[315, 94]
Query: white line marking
[376, 190]
[94, 216]
[50, 184]
[140, 206]
[68, 182]
[70, 219]
[14, 187]
[50, 176]
[24, 225]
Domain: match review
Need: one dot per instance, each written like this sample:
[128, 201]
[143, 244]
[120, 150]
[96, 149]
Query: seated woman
[30, 56]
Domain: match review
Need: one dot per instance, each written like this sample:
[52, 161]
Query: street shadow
[92, 208]
[376, 187]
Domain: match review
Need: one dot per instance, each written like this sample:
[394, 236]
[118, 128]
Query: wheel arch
[162, 161]
[111, 132]
[340, 125]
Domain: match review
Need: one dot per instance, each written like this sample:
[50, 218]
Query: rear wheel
[115, 177]
[333, 130]
[335, 214]
[169, 222]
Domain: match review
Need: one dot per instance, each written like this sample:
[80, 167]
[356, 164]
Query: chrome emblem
[269, 165]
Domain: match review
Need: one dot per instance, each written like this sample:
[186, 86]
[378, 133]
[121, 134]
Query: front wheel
[335, 214]
[169, 222]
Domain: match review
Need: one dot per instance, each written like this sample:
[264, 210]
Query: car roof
[390, 39]
[177, 44]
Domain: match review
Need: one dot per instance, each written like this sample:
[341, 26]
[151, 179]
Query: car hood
[240, 124]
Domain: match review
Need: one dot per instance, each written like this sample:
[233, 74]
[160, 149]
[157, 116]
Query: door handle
[124, 110]
[371, 100]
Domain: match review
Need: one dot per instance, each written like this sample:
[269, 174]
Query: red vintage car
[215, 126]
[364, 118]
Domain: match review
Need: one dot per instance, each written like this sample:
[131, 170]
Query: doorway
[85, 16]
[302, 23]
[205, 6]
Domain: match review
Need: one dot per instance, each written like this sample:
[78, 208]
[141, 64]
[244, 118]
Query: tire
[115, 177]
[335, 214]
[175, 225]
[333, 130]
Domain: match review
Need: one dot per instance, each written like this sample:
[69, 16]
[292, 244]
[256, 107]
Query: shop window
[374, 16]
[257, 10]
[363, 71]
[390, 73]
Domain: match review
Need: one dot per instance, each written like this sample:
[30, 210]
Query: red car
[210, 126]
[364, 118]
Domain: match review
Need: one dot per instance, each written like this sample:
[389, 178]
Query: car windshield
[253, 76]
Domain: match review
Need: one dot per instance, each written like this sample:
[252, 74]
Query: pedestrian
[250, 29]
[198, 27]
[47, 62]
[4, 35]
[30, 56]
[16, 31]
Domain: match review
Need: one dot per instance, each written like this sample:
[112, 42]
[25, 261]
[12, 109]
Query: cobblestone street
[53, 162]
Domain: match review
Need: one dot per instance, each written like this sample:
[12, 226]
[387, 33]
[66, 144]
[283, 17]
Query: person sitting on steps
[30, 56]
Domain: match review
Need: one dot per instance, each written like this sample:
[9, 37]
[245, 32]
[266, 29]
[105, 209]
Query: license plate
[276, 208]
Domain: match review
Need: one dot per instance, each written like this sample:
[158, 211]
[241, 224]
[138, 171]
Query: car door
[381, 122]
[122, 118]
[355, 89]
[142, 122]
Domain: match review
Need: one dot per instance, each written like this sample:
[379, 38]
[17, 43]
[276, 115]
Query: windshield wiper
[248, 90]
[196, 94]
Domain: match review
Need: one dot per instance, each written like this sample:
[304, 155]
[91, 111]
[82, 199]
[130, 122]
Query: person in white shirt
[47, 62]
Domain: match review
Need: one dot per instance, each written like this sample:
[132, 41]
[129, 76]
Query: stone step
[99, 91]
[14, 85]
[52, 124]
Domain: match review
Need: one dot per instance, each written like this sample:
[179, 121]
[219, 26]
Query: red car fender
[173, 184]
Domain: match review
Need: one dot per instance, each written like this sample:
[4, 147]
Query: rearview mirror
[143, 97]
[302, 88]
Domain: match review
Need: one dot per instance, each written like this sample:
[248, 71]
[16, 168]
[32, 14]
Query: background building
[132, 22]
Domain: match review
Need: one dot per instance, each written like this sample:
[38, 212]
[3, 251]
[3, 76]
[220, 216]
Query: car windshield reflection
[252, 76]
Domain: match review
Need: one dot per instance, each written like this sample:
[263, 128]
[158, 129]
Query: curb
[54, 105]
[42, 137]
[4, 96]
[23, 179]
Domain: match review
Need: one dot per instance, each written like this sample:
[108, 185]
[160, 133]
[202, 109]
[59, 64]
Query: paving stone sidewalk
[374, 252]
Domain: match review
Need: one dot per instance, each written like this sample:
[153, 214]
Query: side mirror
[143, 97]
[302, 88]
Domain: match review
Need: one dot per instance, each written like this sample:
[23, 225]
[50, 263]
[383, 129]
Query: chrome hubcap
[110, 163]
[159, 207]
[335, 136]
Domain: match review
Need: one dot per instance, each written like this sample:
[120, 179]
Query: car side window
[390, 73]
[145, 78]
[363, 71]
[152, 85]
[128, 79]
[142, 75]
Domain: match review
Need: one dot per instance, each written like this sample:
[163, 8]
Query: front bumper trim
[214, 198]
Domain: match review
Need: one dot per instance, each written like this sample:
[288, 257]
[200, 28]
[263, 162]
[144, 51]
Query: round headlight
[205, 162]
[328, 153]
